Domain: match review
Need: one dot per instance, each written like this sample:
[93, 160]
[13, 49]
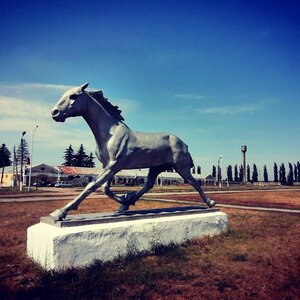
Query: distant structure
[244, 150]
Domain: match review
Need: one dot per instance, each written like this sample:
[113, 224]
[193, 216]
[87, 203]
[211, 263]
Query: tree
[69, 157]
[236, 173]
[5, 161]
[214, 172]
[90, 161]
[193, 170]
[282, 176]
[295, 173]
[255, 173]
[26, 153]
[275, 172]
[266, 177]
[229, 173]
[298, 171]
[241, 174]
[290, 177]
[248, 173]
[198, 170]
[80, 157]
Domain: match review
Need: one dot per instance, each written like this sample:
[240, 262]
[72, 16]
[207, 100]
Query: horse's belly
[145, 158]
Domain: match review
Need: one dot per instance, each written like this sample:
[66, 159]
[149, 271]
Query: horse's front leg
[91, 187]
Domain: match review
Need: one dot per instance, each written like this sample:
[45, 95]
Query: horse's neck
[100, 122]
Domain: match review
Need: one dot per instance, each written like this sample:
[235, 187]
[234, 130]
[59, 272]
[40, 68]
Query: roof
[126, 173]
[79, 171]
[39, 168]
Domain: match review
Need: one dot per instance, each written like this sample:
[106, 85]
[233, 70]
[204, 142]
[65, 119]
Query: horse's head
[70, 104]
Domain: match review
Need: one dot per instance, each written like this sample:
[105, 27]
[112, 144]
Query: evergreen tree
[90, 161]
[193, 170]
[266, 177]
[26, 153]
[255, 174]
[5, 160]
[198, 170]
[214, 172]
[275, 172]
[241, 174]
[282, 176]
[248, 173]
[295, 173]
[80, 157]
[69, 157]
[229, 173]
[290, 178]
[298, 171]
[236, 173]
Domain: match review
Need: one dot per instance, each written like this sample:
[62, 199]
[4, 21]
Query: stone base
[58, 247]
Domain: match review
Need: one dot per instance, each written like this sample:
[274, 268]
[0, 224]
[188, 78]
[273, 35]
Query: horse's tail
[191, 161]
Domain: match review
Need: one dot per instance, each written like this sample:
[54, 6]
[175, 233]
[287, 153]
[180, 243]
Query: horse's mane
[111, 109]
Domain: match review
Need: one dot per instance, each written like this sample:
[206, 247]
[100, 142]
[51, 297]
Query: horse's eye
[74, 96]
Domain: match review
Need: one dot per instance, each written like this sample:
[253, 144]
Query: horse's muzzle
[57, 115]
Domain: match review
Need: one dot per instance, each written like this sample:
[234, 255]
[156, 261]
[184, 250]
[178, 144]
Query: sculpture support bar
[59, 248]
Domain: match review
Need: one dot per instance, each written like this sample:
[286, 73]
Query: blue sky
[219, 74]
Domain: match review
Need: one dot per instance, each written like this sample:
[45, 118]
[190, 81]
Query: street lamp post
[22, 158]
[32, 135]
[219, 172]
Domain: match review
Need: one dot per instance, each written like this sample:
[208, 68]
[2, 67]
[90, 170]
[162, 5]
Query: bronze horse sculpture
[118, 147]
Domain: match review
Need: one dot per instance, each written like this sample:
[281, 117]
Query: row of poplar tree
[280, 174]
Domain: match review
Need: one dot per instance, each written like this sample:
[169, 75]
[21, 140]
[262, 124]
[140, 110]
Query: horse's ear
[84, 86]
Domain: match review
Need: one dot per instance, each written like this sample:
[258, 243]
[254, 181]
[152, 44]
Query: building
[78, 176]
[39, 173]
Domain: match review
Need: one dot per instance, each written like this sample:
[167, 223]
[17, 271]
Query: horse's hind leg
[185, 173]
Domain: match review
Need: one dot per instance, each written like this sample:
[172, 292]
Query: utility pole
[219, 172]
[32, 134]
[21, 179]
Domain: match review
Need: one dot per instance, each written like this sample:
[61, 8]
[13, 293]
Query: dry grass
[257, 258]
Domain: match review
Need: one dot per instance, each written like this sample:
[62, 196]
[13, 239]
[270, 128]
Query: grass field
[258, 258]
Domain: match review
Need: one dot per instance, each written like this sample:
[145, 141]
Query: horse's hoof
[123, 208]
[211, 203]
[58, 214]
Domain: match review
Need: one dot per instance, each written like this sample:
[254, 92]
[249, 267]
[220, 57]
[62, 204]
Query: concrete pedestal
[60, 247]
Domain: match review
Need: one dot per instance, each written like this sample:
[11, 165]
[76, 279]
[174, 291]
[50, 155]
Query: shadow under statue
[118, 147]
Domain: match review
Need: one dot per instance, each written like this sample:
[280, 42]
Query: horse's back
[159, 139]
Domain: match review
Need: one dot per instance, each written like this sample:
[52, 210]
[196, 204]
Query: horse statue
[118, 147]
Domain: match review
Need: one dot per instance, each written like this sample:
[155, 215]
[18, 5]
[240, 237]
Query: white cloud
[125, 105]
[232, 109]
[22, 109]
[35, 85]
[190, 96]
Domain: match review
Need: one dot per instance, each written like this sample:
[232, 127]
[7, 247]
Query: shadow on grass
[106, 280]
